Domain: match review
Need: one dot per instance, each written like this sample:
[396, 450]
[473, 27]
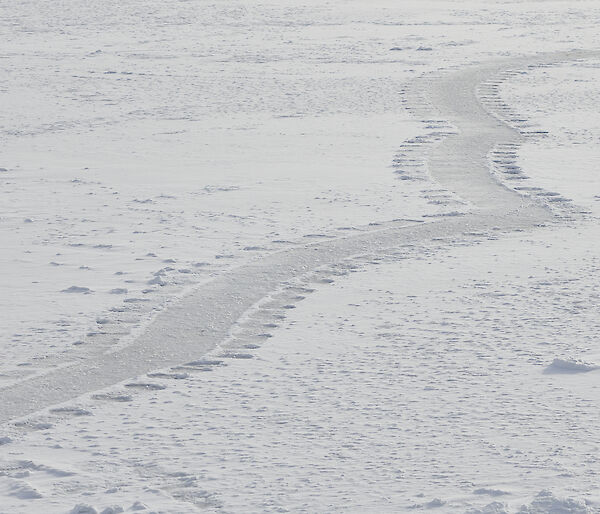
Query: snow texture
[308, 257]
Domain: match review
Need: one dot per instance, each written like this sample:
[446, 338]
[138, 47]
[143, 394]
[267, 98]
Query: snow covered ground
[150, 149]
[560, 100]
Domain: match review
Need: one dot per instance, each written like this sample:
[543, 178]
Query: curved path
[203, 319]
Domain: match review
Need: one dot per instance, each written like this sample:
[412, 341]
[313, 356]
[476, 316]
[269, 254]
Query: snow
[380, 390]
[299, 257]
[570, 365]
[566, 159]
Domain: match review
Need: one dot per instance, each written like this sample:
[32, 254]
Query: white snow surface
[562, 101]
[151, 149]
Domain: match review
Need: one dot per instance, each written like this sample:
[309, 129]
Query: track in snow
[203, 319]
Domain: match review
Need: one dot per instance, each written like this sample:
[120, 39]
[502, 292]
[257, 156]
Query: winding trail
[201, 320]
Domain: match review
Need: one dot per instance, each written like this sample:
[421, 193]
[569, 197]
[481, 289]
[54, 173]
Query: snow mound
[83, 509]
[24, 491]
[435, 503]
[491, 508]
[112, 510]
[546, 503]
[490, 492]
[570, 365]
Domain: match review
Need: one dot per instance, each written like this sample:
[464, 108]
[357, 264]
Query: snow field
[376, 392]
[381, 390]
[105, 101]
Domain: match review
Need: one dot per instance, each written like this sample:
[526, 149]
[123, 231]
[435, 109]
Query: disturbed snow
[446, 365]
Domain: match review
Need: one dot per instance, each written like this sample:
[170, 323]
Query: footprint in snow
[115, 397]
[237, 355]
[313, 236]
[72, 411]
[174, 376]
[325, 281]
[148, 386]
[77, 289]
[199, 365]
[29, 425]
